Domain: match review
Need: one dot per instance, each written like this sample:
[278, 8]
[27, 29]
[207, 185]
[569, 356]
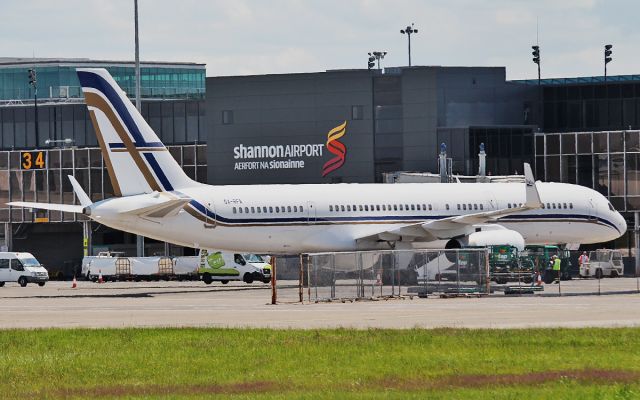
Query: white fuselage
[295, 219]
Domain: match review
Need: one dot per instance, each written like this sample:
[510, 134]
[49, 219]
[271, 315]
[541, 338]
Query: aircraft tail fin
[135, 158]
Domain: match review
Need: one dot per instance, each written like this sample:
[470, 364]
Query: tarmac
[194, 304]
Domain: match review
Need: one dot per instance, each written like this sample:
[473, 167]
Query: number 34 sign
[33, 159]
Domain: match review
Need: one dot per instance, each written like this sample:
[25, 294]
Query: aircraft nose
[622, 223]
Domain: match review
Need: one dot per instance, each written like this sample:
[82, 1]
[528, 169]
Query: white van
[225, 267]
[22, 268]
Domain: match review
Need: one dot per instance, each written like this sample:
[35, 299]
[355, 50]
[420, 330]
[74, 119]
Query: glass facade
[51, 185]
[589, 103]
[507, 148]
[61, 81]
[608, 162]
[175, 122]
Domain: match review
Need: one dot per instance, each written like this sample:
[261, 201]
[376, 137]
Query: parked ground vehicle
[22, 268]
[602, 263]
[115, 267]
[225, 267]
[541, 258]
[507, 265]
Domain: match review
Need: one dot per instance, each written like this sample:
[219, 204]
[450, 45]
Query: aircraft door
[311, 212]
[592, 210]
[210, 220]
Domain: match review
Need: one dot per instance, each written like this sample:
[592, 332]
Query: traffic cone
[100, 280]
[74, 284]
[539, 279]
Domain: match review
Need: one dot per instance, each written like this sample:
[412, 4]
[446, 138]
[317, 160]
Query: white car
[22, 268]
[603, 263]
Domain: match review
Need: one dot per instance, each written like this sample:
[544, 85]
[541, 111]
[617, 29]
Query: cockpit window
[611, 207]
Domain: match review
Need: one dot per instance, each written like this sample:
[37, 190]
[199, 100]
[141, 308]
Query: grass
[339, 363]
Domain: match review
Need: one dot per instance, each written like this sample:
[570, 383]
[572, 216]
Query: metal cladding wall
[290, 117]
[413, 110]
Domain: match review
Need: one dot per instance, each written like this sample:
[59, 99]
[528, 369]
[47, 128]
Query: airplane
[156, 199]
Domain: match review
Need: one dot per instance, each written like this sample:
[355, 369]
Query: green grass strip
[263, 363]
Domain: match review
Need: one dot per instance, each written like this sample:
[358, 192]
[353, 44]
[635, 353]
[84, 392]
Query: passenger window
[564, 205]
[406, 207]
[16, 265]
[395, 207]
[464, 206]
[458, 206]
[543, 205]
[447, 206]
[277, 209]
[342, 208]
[246, 210]
[240, 210]
[288, 208]
[548, 206]
[413, 207]
[482, 206]
[475, 206]
[430, 208]
[348, 207]
[330, 208]
[258, 210]
[366, 207]
[253, 210]
[271, 210]
[301, 209]
[295, 208]
[553, 205]
[508, 205]
[234, 210]
[384, 207]
[4, 263]
[360, 207]
[264, 210]
[377, 207]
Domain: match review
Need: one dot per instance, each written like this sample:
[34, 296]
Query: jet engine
[488, 235]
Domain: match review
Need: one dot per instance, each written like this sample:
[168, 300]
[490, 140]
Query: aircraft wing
[48, 206]
[457, 225]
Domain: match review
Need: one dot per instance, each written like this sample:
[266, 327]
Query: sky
[244, 37]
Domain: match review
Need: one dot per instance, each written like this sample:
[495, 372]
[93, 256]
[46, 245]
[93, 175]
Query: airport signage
[292, 156]
[33, 160]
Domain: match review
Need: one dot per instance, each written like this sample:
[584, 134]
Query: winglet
[532, 195]
[85, 201]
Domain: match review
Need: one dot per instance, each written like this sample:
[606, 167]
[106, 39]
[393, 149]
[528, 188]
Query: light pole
[607, 58]
[376, 55]
[34, 83]
[536, 59]
[408, 31]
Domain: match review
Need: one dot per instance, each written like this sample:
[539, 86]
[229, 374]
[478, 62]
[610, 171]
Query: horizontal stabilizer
[48, 206]
[167, 208]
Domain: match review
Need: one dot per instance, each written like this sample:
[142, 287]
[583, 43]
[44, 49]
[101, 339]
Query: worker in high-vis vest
[556, 267]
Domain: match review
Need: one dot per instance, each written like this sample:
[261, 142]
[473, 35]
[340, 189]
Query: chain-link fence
[379, 274]
[450, 273]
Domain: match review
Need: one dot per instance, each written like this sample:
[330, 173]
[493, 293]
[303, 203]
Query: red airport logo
[335, 147]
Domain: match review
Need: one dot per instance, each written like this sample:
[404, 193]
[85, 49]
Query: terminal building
[326, 127]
